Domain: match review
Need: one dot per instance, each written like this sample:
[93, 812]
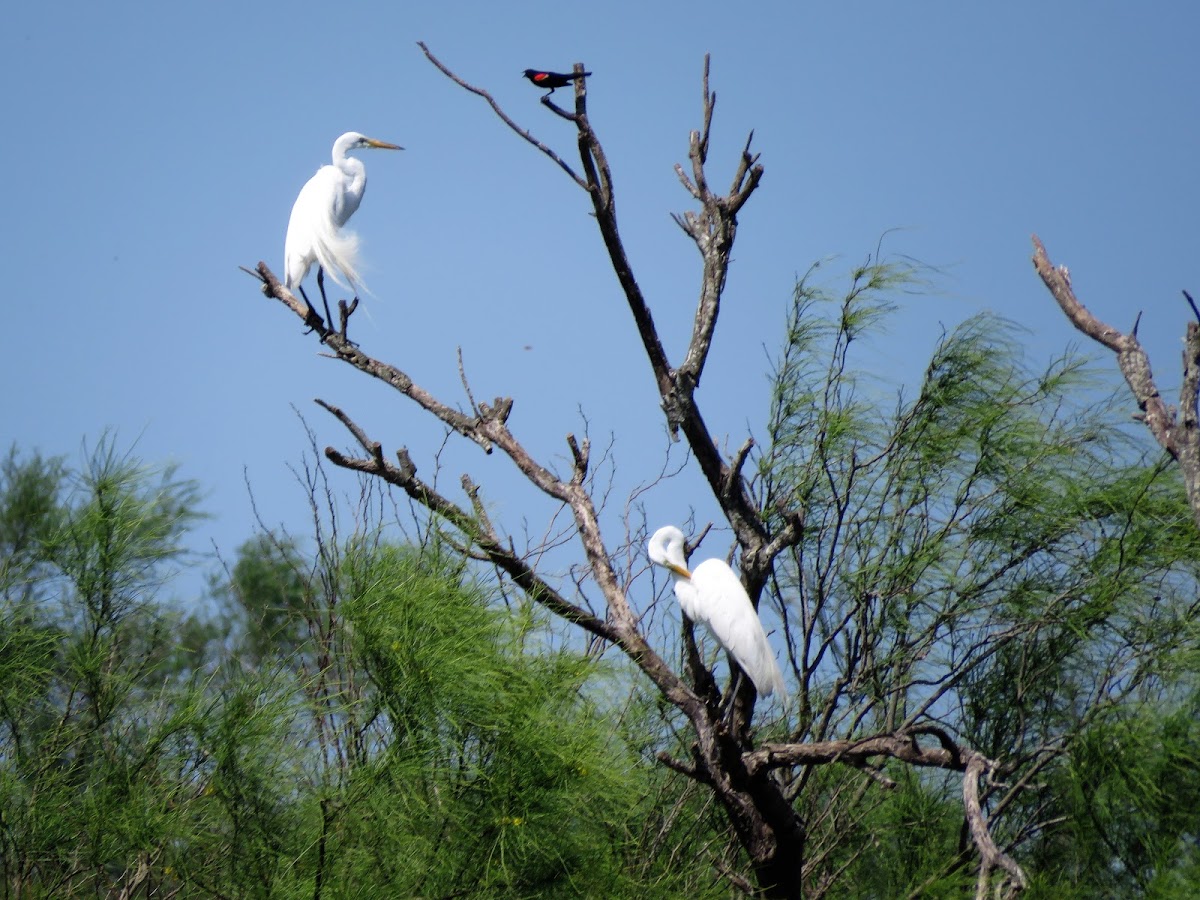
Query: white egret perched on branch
[324, 205]
[712, 595]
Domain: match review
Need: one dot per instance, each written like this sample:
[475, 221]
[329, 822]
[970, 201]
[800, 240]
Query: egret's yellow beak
[679, 570]
[382, 145]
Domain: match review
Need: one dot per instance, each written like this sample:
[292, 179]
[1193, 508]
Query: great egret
[712, 595]
[324, 205]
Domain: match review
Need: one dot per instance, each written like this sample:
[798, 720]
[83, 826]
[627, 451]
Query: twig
[480, 92]
[691, 547]
[558, 110]
[580, 455]
[1192, 304]
[462, 374]
[345, 312]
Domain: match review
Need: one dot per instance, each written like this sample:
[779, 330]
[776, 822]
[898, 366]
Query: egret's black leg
[321, 285]
[311, 310]
[726, 710]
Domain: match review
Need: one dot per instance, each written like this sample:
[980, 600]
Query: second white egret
[324, 205]
[712, 595]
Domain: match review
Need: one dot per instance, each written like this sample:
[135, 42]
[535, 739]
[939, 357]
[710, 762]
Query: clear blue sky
[153, 148]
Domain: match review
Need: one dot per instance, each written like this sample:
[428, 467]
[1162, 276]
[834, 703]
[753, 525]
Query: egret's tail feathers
[337, 254]
[765, 674]
[774, 682]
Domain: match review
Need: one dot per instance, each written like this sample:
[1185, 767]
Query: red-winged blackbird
[552, 80]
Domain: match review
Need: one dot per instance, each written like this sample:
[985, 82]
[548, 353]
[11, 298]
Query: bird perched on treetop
[712, 595]
[324, 205]
[552, 80]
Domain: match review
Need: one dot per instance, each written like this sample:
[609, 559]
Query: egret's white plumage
[324, 205]
[712, 595]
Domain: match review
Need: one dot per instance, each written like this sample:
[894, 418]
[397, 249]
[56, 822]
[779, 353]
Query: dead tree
[752, 783]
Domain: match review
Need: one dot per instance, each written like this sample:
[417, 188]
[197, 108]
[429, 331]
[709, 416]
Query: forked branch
[904, 746]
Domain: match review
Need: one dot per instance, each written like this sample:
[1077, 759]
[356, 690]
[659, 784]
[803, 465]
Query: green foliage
[889, 845]
[375, 728]
[497, 773]
[1128, 799]
[29, 516]
[273, 588]
[993, 553]
[122, 525]
[82, 661]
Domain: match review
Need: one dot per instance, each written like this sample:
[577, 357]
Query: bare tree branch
[904, 746]
[480, 92]
[403, 474]
[1132, 359]
[991, 856]
[1180, 438]
[390, 375]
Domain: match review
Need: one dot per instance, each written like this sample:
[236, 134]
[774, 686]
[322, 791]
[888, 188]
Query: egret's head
[352, 140]
[666, 548]
[378, 145]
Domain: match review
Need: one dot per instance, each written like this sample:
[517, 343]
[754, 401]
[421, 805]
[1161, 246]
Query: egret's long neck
[351, 165]
[685, 593]
[356, 184]
[357, 172]
[340, 147]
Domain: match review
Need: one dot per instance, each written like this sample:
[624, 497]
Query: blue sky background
[154, 148]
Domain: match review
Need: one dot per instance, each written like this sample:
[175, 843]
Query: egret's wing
[722, 605]
[313, 231]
